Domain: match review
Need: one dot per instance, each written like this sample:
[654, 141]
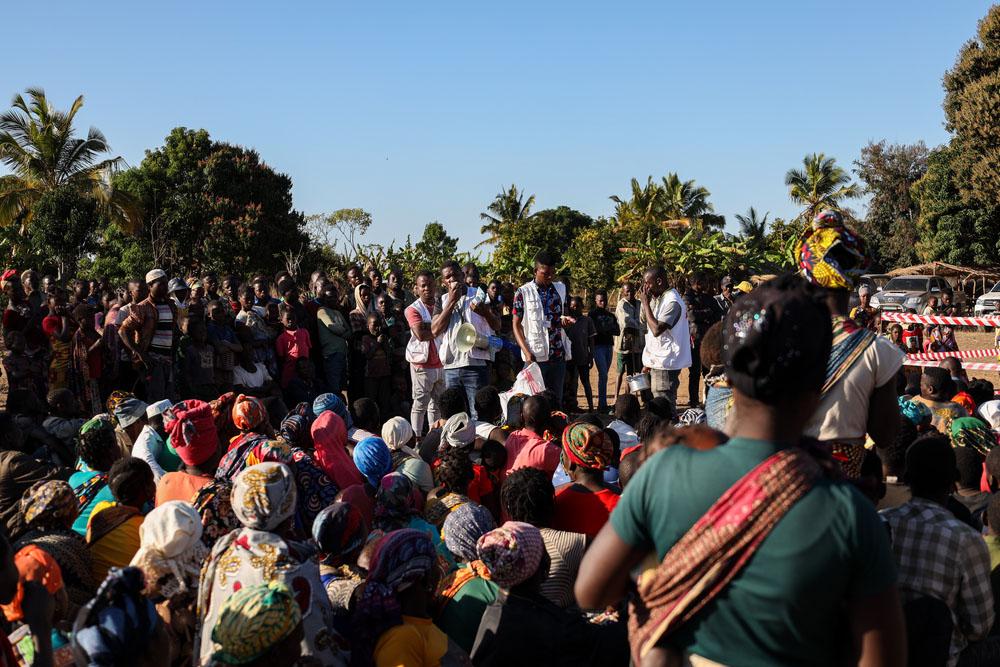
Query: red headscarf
[330, 440]
[192, 431]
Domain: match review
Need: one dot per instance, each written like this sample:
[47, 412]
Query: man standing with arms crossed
[668, 337]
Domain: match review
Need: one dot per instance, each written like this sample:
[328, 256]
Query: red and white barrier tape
[961, 354]
[911, 318]
[969, 366]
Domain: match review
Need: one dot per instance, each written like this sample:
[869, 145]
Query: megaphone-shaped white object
[468, 338]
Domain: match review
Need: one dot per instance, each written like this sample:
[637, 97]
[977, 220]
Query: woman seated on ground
[340, 531]
[193, 435]
[259, 626]
[453, 474]
[49, 509]
[98, 451]
[398, 435]
[113, 530]
[170, 556]
[262, 551]
[584, 505]
[465, 593]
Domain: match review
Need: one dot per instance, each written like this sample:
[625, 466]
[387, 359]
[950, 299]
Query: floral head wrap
[252, 621]
[264, 496]
[512, 552]
[830, 254]
[587, 445]
[50, 503]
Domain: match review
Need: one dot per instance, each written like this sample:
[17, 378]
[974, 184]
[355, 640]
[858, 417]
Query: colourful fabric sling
[715, 549]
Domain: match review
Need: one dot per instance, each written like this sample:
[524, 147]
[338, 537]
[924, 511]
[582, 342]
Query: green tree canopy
[507, 210]
[888, 172]
[972, 109]
[551, 229]
[212, 205]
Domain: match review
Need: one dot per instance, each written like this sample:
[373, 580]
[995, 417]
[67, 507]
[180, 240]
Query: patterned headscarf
[339, 530]
[192, 431]
[333, 403]
[114, 400]
[252, 621]
[830, 254]
[918, 413]
[251, 449]
[512, 553]
[49, 504]
[264, 496]
[965, 400]
[98, 422]
[248, 412]
[587, 445]
[171, 552]
[396, 501]
[458, 431]
[294, 430]
[973, 433]
[116, 626]
[692, 416]
[373, 460]
[222, 413]
[463, 528]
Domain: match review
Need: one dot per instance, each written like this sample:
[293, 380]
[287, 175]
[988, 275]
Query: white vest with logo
[671, 350]
[450, 356]
[417, 351]
[536, 326]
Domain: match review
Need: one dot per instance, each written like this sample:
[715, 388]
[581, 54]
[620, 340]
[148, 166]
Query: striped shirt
[163, 336]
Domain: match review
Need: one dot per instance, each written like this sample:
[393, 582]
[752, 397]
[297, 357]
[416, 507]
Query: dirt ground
[968, 339]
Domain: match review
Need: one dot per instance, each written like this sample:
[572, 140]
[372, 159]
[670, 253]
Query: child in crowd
[302, 387]
[88, 357]
[293, 344]
[377, 350]
[64, 420]
[199, 362]
[58, 327]
[23, 371]
[222, 337]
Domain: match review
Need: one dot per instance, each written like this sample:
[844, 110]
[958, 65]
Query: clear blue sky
[422, 111]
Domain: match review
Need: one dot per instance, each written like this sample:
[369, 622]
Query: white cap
[158, 408]
[155, 275]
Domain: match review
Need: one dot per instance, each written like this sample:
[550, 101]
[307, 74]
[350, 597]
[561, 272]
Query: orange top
[581, 511]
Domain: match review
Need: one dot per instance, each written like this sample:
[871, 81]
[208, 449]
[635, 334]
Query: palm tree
[38, 146]
[820, 185]
[508, 208]
[641, 206]
[752, 227]
[683, 199]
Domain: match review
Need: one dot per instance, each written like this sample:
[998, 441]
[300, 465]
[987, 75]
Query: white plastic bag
[529, 382]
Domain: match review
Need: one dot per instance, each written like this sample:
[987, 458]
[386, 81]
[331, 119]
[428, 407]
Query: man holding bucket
[668, 337]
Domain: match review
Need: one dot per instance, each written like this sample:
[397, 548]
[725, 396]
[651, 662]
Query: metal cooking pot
[638, 382]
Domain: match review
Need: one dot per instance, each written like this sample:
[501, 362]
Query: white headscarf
[170, 544]
[458, 431]
[990, 412]
[397, 433]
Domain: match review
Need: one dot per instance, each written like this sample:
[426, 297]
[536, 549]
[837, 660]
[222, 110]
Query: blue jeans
[334, 366]
[602, 359]
[554, 375]
[471, 378]
[717, 406]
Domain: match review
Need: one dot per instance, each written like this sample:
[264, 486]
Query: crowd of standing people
[255, 471]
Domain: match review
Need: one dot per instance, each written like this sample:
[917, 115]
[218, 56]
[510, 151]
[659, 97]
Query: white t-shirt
[842, 415]
[147, 447]
[627, 436]
[251, 380]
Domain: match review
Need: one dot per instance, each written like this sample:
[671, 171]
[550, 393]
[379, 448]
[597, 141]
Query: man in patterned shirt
[940, 557]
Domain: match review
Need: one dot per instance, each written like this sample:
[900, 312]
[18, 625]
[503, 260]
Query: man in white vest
[538, 323]
[463, 304]
[422, 352]
[668, 337]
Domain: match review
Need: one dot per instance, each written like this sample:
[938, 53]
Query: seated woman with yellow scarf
[113, 529]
